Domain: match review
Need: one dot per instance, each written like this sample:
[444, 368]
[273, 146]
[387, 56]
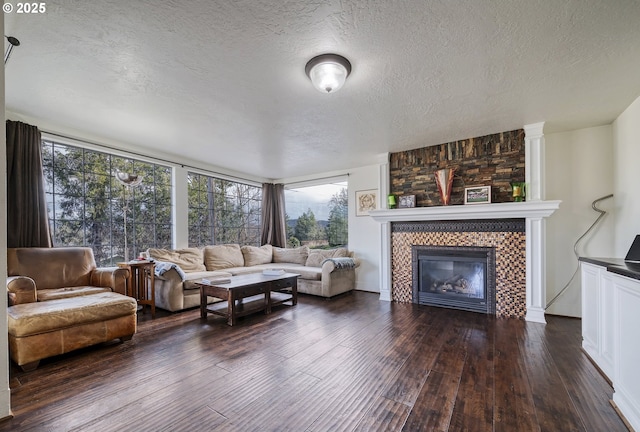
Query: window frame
[219, 231]
[105, 233]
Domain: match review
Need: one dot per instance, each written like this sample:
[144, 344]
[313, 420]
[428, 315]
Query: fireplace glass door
[455, 277]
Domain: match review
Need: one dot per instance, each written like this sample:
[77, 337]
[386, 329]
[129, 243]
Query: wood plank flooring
[352, 363]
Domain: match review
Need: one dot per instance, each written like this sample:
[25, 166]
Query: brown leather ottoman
[43, 329]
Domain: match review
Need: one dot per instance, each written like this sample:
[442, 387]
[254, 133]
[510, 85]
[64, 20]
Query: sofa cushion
[220, 257]
[60, 293]
[193, 277]
[40, 317]
[254, 255]
[308, 273]
[189, 259]
[236, 271]
[286, 255]
[317, 256]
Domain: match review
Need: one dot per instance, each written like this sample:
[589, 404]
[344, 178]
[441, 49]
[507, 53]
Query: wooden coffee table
[247, 294]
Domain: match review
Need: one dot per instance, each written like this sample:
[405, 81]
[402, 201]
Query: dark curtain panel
[274, 231]
[27, 220]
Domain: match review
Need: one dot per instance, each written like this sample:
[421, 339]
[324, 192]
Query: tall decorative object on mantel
[128, 181]
[444, 180]
[517, 189]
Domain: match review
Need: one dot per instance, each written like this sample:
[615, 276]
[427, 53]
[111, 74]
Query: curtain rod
[158, 159]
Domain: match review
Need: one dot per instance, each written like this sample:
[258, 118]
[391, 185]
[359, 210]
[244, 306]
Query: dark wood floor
[352, 363]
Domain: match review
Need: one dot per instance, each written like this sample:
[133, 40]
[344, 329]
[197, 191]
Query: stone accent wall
[492, 160]
[507, 236]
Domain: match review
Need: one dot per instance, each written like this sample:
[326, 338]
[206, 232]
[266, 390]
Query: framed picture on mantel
[477, 195]
[407, 201]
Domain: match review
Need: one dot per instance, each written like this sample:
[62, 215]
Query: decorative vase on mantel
[518, 191]
[444, 180]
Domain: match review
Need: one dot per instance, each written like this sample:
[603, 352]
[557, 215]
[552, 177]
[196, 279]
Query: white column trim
[385, 258]
[536, 270]
[536, 247]
[385, 231]
[534, 161]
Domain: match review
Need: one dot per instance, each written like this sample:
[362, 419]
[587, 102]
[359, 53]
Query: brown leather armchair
[60, 301]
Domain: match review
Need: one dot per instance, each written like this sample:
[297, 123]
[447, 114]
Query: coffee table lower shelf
[248, 294]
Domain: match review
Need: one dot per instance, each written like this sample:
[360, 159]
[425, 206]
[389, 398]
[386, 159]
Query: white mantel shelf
[534, 213]
[511, 210]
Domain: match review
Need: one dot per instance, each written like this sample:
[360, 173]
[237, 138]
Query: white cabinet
[626, 378]
[607, 320]
[590, 317]
[611, 332]
[597, 316]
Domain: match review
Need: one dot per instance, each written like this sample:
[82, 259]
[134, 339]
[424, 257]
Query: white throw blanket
[164, 266]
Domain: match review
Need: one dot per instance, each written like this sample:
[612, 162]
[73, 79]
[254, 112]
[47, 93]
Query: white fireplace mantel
[510, 210]
[533, 212]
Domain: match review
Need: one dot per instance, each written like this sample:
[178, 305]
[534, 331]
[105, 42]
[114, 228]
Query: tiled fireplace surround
[506, 236]
[515, 229]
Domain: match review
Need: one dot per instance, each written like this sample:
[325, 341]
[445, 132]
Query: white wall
[578, 170]
[5, 394]
[626, 136]
[364, 232]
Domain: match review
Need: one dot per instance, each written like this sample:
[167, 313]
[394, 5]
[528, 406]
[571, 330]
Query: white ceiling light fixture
[328, 72]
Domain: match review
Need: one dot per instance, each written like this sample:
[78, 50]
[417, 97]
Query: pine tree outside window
[85, 202]
[223, 211]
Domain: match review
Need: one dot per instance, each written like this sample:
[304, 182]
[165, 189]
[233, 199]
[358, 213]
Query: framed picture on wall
[477, 195]
[365, 201]
[407, 201]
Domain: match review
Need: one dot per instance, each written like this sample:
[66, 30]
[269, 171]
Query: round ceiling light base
[328, 72]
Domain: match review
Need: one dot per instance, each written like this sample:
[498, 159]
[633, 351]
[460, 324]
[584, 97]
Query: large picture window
[317, 215]
[223, 211]
[86, 203]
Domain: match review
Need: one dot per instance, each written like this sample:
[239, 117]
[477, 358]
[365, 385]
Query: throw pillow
[254, 255]
[189, 259]
[219, 257]
[296, 256]
[315, 259]
[317, 256]
[340, 253]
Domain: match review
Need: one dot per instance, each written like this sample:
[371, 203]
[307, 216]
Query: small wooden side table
[141, 284]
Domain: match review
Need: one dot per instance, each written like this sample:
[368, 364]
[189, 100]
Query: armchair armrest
[21, 289]
[111, 277]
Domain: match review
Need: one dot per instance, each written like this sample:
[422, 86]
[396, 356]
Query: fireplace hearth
[458, 277]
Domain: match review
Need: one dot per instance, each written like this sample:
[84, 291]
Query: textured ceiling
[223, 81]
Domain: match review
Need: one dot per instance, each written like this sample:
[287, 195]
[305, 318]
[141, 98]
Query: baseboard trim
[9, 417]
[604, 375]
[622, 417]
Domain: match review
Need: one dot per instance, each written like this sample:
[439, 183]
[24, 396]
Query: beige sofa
[59, 301]
[325, 273]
